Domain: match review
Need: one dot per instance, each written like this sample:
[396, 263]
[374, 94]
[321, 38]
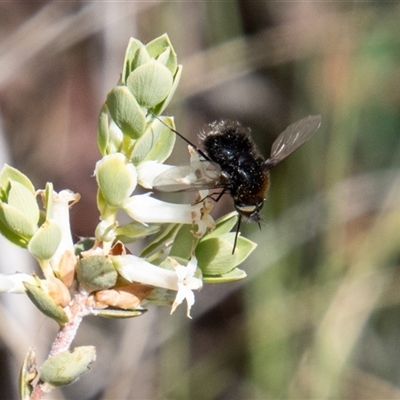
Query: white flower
[186, 283]
[147, 171]
[146, 209]
[61, 204]
[182, 280]
[14, 283]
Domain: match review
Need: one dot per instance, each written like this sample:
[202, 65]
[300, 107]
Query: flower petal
[136, 269]
[187, 283]
[147, 171]
[146, 209]
[61, 205]
[14, 283]
[182, 280]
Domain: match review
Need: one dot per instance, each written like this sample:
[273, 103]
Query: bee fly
[235, 164]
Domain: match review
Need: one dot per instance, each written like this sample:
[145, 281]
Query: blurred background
[318, 316]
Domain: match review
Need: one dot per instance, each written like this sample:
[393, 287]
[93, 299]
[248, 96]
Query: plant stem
[64, 338]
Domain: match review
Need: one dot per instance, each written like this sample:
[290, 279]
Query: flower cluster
[184, 245]
[135, 140]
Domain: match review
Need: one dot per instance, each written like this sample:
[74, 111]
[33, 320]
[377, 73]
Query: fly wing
[196, 176]
[292, 138]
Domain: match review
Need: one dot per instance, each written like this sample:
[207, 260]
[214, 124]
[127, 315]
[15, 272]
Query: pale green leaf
[96, 273]
[214, 256]
[66, 367]
[157, 49]
[9, 173]
[166, 234]
[141, 57]
[45, 241]
[116, 177]
[133, 46]
[45, 303]
[49, 200]
[224, 225]
[162, 106]
[118, 314]
[150, 83]
[232, 276]
[12, 236]
[135, 230]
[27, 374]
[126, 112]
[16, 222]
[156, 143]
[103, 133]
[22, 199]
[184, 243]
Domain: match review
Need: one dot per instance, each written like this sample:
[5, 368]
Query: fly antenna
[182, 137]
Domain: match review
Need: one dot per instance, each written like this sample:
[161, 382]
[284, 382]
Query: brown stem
[64, 338]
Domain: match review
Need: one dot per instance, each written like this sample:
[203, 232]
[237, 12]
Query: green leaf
[214, 256]
[12, 236]
[133, 46]
[109, 135]
[162, 106]
[49, 200]
[223, 225]
[135, 230]
[150, 83]
[232, 276]
[244, 247]
[156, 143]
[45, 303]
[96, 273]
[218, 245]
[27, 374]
[102, 204]
[118, 314]
[103, 133]
[22, 199]
[9, 173]
[166, 234]
[161, 46]
[184, 243]
[66, 367]
[164, 57]
[45, 241]
[16, 222]
[126, 112]
[142, 57]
